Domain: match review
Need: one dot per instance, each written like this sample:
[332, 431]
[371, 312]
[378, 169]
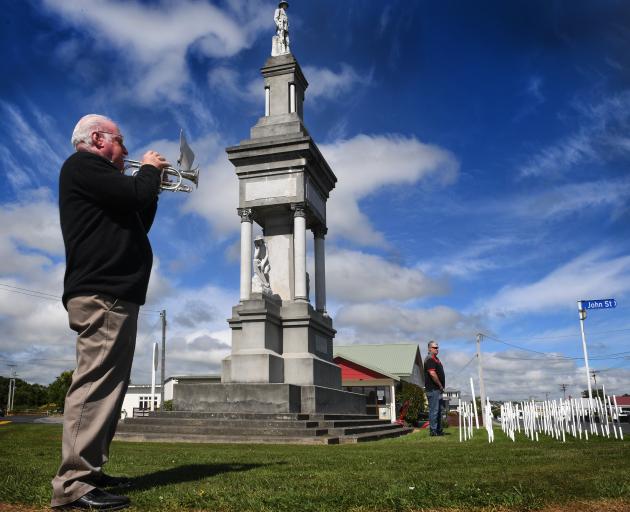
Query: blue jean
[435, 410]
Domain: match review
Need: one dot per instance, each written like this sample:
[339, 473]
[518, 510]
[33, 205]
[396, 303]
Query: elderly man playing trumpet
[105, 218]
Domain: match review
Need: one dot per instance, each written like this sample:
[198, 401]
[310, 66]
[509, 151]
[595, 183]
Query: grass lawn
[412, 473]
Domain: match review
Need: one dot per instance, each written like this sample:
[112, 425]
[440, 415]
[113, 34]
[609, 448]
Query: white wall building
[138, 398]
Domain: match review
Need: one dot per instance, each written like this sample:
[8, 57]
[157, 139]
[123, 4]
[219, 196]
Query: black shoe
[97, 499]
[103, 480]
[437, 434]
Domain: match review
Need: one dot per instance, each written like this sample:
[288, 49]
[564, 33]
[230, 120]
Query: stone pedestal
[266, 399]
[256, 342]
[307, 347]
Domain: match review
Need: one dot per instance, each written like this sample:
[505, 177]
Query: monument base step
[196, 427]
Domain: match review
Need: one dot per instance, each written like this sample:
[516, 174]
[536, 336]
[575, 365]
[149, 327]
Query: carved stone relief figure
[260, 280]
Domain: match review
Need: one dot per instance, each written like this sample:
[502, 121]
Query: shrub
[417, 401]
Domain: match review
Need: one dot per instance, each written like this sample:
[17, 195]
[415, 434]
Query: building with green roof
[377, 370]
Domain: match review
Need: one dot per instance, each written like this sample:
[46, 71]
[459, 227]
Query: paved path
[31, 419]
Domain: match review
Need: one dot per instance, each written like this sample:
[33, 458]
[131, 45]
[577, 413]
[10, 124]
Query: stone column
[320, 269]
[246, 252]
[299, 251]
[291, 98]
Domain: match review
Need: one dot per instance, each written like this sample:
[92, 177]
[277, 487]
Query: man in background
[434, 382]
[105, 217]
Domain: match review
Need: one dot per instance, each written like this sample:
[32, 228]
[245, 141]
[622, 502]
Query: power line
[528, 349]
[470, 361]
[50, 296]
[604, 357]
[30, 291]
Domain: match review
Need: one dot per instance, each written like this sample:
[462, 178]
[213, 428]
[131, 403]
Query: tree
[59, 388]
[27, 396]
[596, 393]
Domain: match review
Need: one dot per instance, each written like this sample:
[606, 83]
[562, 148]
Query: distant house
[624, 405]
[452, 395]
[377, 370]
[138, 397]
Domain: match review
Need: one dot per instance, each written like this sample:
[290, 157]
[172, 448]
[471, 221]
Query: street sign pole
[583, 305]
[582, 313]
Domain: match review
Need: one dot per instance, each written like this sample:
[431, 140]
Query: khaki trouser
[106, 329]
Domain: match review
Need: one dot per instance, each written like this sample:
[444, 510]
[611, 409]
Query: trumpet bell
[191, 175]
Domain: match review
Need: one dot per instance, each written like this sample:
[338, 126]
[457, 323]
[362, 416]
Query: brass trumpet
[183, 172]
[180, 175]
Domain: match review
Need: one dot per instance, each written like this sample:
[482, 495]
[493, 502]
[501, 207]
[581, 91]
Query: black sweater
[105, 218]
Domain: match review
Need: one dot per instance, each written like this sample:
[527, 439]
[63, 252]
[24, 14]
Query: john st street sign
[599, 304]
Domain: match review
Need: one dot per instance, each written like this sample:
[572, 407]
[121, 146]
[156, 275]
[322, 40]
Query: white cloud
[156, 39]
[216, 199]
[372, 323]
[514, 375]
[469, 262]
[366, 164]
[27, 153]
[198, 336]
[30, 236]
[35, 333]
[327, 84]
[324, 83]
[228, 82]
[595, 273]
[574, 197]
[354, 276]
[600, 133]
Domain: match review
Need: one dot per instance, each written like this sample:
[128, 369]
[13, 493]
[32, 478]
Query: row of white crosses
[574, 417]
[467, 411]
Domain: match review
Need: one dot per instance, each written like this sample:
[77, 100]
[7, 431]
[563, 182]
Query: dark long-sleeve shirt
[105, 217]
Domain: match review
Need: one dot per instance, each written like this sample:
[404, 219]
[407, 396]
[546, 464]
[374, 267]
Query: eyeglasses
[117, 137]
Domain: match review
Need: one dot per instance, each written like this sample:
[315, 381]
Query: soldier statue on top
[280, 42]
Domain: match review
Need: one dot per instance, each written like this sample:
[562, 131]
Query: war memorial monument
[280, 381]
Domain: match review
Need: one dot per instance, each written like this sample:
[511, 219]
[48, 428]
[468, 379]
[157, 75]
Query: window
[145, 402]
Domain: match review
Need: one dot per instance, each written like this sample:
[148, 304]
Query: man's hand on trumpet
[155, 159]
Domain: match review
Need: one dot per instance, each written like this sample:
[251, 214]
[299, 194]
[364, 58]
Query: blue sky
[481, 148]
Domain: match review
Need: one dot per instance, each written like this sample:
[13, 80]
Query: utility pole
[163, 318]
[594, 374]
[11, 388]
[546, 395]
[563, 387]
[482, 388]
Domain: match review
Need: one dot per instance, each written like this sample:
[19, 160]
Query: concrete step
[352, 423]
[223, 422]
[342, 417]
[227, 439]
[205, 427]
[221, 430]
[230, 415]
[361, 429]
[375, 436]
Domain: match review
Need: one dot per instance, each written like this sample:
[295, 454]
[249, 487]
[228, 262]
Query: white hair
[83, 130]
